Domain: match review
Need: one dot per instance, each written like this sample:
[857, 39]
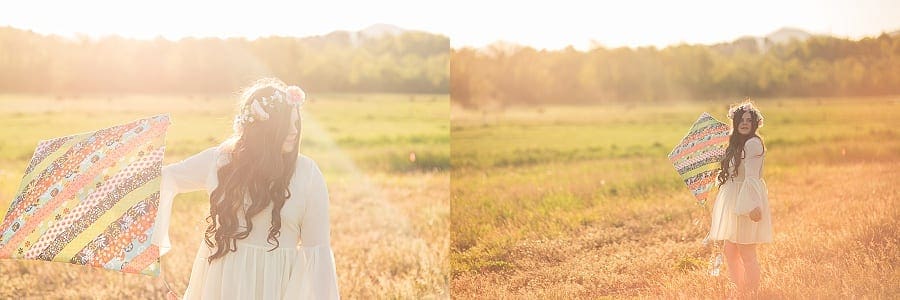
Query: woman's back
[292, 213]
[255, 270]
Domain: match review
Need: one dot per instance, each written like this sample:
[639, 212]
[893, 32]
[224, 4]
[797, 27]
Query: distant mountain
[786, 35]
[373, 31]
[379, 30]
[761, 44]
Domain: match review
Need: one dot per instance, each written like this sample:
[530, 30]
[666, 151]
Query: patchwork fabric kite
[698, 156]
[91, 199]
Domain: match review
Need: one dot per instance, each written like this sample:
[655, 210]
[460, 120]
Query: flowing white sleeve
[187, 175]
[318, 279]
[753, 188]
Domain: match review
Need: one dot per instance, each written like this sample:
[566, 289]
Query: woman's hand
[755, 215]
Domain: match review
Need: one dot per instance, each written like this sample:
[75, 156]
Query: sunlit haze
[544, 24]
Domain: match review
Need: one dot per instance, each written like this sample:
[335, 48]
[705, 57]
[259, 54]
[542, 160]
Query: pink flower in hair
[296, 95]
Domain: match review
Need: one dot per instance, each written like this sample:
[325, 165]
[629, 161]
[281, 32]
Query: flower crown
[255, 111]
[747, 107]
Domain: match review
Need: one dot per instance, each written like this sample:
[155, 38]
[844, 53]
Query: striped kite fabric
[91, 199]
[698, 156]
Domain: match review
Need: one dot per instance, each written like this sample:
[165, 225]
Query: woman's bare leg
[735, 264]
[751, 266]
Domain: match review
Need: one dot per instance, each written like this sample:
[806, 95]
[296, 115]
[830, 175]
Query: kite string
[171, 294]
[717, 245]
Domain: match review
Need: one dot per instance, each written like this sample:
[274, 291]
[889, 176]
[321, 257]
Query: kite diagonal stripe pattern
[698, 155]
[91, 199]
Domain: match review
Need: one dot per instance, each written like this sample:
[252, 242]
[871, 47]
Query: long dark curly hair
[736, 141]
[257, 168]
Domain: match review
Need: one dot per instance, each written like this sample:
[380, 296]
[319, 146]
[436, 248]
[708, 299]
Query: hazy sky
[543, 24]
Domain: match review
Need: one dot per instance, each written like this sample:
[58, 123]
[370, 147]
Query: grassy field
[581, 202]
[389, 214]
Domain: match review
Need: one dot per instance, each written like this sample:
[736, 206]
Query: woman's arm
[753, 158]
[753, 153]
[184, 176]
[315, 229]
[189, 174]
[315, 237]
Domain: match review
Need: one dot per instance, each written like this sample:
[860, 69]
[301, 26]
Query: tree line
[410, 62]
[504, 74]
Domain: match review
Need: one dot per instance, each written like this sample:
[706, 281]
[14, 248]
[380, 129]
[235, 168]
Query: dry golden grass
[580, 202]
[830, 242]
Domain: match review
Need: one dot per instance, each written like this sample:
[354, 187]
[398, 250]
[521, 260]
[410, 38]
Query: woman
[741, 215]
[264, 199]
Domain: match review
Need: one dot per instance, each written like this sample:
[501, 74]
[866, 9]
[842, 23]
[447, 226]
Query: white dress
[740, 195]
[292, 271]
